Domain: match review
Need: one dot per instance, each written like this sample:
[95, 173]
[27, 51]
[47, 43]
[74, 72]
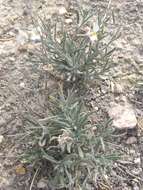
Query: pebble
[136, 187]
[68, 21]
[42, 184]
[1, 138]
[137, 160]
[132, 151]
[22, 37]
[2, 121]
[131, 140]
[123, 115]
[62, 11]
[22, 85]
[96, 108]
[136, 171]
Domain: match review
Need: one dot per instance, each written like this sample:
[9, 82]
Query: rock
[1, 138]
[96, 108]
[22, 37]
[68, 21]
[34, 35]
[62, 11]
[2, 122]
[137, 160]
[136, 171]
[135, 185]
[131, 140]
[42, 183]
[20, 169]
[123, 115]
[22, 85]
[132, 152]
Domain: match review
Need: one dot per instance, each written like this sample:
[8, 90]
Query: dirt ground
[18, 83]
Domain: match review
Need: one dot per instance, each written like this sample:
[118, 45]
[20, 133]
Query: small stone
[137, 160]
[96, 108]
[42, 184]
[20, 169]
[34, 36]
[11, 59]
[68, 21]
[132, 152]
[1, 138]
[136, 187]
[123, 115]
[131, 140]
[103, 91]
[2, 122]
[136, 171]
[22, 85]
[22, 37]
[62, 11]
[58, 40]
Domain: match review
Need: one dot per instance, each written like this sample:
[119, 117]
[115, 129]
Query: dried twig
[6, 39]
[33, 179]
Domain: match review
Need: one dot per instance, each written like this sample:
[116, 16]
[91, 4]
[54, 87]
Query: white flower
[92, 33]
[68, 21]
[62, 11]
[64, 138]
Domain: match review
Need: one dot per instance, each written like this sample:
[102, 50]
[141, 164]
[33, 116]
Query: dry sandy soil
[18, 81]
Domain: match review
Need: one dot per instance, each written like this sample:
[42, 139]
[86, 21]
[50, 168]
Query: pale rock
[112, 87]
[123, 115]
[96, 108]
[68, 21]
[132, 152]
[22, 37]
[22, 85]
[131, 140]
[12, 59]
[137, 160]
[62, 11]
[103, 91]
[42, 184]
[2, 122]
[58, 40]
[136, 187]
[34, 35]
[136, 171]
[1, 138]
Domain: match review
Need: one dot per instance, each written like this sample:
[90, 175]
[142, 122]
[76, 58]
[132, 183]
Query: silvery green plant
[81, 51]
[75, 149]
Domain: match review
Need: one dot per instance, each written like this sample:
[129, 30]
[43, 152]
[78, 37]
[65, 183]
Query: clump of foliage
[81, 51]
[75, 148]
